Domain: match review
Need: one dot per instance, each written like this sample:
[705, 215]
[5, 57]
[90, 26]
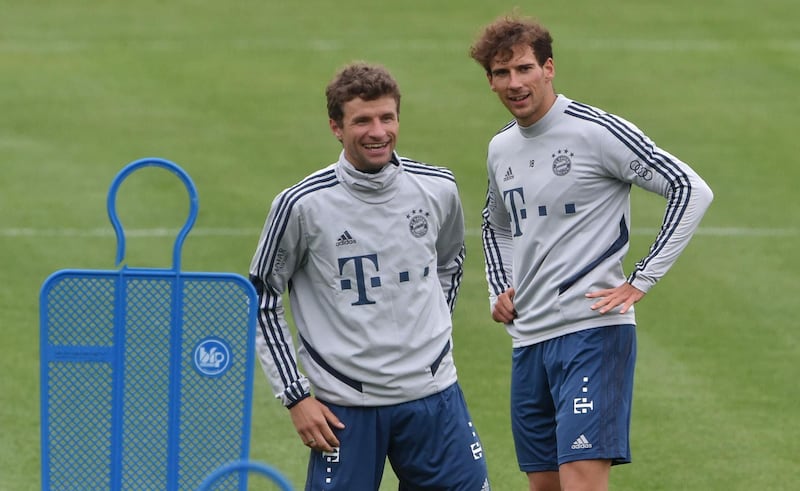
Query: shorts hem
[578, 458]
[537, 468]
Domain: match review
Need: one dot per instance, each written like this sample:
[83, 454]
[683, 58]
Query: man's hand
[503, 310]
[625, 295]
[313, 421]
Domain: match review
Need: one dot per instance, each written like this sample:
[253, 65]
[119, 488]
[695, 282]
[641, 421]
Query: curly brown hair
[498, 39]
[364, 80]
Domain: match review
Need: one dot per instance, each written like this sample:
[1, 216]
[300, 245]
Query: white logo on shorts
[581, 442]
[582, 405]
[331, 457]
[477, 450]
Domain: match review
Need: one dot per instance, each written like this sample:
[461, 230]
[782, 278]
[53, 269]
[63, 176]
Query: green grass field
[234, 93]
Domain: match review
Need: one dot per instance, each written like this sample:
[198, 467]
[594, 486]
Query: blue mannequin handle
[112, 205]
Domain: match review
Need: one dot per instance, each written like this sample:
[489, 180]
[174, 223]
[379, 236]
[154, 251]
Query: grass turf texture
[234, 93]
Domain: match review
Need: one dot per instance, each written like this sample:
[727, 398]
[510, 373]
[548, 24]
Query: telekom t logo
[361, 279]
[516, 198]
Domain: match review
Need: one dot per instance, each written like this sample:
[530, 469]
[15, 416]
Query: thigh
[435, 445]
[533, 414]
[359, 461]
[593, 390]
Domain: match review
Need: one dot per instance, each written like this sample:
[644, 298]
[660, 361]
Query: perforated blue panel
[148, 378]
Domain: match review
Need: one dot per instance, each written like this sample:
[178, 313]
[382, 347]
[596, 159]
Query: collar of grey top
[547, 121]
[369, 186]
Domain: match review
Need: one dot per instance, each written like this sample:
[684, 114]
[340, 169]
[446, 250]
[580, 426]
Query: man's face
[523, 86]
[368, 132]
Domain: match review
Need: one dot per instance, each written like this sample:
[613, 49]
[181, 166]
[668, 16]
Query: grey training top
[372, 264]
[557, 217]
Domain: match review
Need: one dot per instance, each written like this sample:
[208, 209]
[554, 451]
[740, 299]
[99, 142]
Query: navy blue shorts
[430, 443]
[571, 398]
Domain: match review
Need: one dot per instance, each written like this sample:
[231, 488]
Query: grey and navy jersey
[557, 218]
[372, 264]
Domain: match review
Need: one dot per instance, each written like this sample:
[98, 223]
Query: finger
[500, 313]
[328, 444]
[604, 305]
[599, 304]
[333, 420]
[503, 317]
[599, 293]
[329, 437]
[497, 317]
[627, 305]
[611, 303]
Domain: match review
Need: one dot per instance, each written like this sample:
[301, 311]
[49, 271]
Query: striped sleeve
[497, 244]
[634, 158]
[450, 250]
[280, 251]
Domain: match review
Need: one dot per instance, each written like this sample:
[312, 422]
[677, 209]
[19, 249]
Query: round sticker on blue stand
[212, 356]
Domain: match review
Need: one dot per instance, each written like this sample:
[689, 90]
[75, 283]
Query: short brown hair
[501, 36]
[367, 81]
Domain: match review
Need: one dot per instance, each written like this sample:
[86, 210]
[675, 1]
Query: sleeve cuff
[296, 392]
[641, 283]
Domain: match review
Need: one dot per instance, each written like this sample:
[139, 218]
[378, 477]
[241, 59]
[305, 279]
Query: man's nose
[376, 128]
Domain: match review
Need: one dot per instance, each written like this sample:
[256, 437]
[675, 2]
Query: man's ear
[549, 68]
[337, 132]
[490, 79]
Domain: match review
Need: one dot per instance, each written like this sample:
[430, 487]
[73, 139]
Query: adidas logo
[345, 239]
[509, 175]
[581, 442]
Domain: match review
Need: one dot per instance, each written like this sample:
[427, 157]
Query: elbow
[706, 195]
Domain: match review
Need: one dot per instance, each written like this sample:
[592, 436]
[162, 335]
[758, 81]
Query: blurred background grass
[234, 93]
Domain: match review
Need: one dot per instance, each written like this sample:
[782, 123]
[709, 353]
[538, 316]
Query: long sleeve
[636, 159]
[497, 243]
[278, 255]
[688, 198]
[451, 251]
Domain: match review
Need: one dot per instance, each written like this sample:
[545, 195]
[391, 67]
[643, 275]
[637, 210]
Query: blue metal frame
[112, 352]
[246, 465]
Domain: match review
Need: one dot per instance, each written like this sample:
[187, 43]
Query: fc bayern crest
[562, 162]
[418, 222]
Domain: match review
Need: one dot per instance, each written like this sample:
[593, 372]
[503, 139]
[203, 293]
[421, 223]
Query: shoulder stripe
[508, 125]
[422, 169]
[285, 204]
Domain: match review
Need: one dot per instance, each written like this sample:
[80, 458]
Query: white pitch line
[253, 232]
[109, 232]
[646, 45]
